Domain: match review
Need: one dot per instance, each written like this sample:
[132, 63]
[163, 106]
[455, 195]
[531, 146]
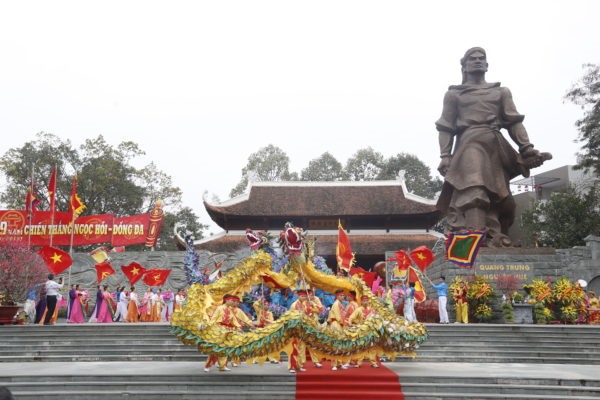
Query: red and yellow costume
[231, 316]
[462, 306]
[264, 317]
[297, 358]
[337, 318]
[360, 315]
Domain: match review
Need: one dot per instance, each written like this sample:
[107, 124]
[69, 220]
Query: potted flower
[20, 270]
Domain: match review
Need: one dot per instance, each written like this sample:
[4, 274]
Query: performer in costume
[462, 306]
[350, 308]
[360, 315]
[146, 308]
[264, 317]
[318, 308]
[133, 313]
[96, 310]
[297, 358]
[409, 303]
[72, 295]
[76, 315]
[231, 316]
[157, 306]
[168, 299]
[122, 301]
[179, 300]
[106, 310]
[335, 319]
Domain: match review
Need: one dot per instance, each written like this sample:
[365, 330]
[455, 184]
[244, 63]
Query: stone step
[408, 395]
[506, 360]
[142, 394]
[139, 387]
[517, 389]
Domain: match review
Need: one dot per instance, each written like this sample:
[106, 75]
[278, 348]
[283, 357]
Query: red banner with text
[90, 229]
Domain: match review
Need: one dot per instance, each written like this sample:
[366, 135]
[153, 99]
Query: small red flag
[104, 270]
[403, 260]
[57, 260]
[343, 251]
[420, 294]
[367, 276]
[52, 190]
[77, 206]
[422, 257]
[133, 272]
[156, 277]
[31, 200]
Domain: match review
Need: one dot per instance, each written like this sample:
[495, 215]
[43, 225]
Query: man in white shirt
[51, 297]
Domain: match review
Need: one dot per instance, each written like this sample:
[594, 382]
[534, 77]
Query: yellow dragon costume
[383, 334]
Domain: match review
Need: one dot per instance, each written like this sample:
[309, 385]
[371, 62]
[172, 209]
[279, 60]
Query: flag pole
[53, 206]
[71, 244]
[29, 207]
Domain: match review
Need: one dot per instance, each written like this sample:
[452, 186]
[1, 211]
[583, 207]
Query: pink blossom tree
[20, 270]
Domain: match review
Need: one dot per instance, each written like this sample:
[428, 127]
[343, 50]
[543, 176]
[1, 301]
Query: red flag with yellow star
[343, 251]
[367, 276]
[422, 257]
[156, 277]
[133, 272]
[403, 260]
[56, 260]
[103, 271]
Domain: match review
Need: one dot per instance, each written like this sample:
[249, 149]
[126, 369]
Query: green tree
[323, 168]
[364, 165]
[39, 156]
[269, 164]
[417, 174]
[108, 183]
[564, 220]
[586, 93]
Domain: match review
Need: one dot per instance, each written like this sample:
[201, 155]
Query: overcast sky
[200, 85]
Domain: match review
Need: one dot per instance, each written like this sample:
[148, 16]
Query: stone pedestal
[523, 313]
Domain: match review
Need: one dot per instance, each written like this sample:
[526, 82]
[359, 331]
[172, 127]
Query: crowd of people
[122, 305]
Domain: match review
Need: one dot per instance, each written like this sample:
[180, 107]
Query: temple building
[378, 216]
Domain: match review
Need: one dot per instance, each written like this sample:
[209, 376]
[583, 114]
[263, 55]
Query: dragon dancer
[231, 316]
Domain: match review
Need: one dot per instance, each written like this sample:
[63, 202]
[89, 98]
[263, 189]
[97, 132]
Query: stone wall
[581, 262]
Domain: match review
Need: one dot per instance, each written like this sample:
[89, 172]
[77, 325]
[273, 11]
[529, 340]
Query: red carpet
[362, 383]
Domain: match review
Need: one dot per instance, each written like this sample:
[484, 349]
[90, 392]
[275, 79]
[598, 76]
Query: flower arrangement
[541, 297]
[569, 299]
[479, 296]
[563, 300]
[539, 290]
[20, 270]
